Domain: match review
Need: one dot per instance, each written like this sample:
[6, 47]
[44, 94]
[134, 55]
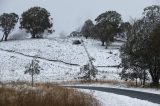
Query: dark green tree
[108, 25]
[105, 32]
[86, 28]
[133, 66]
[152, 13]
[36, 21]
[156, 39]
[141, 51]
[124, 29]
[7, 23]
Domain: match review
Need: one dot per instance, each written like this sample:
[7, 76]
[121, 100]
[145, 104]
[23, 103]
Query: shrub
[76, 42]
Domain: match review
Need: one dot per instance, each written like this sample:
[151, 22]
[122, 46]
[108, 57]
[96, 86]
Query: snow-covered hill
[60, 59]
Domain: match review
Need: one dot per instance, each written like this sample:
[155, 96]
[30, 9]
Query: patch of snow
[110, 99]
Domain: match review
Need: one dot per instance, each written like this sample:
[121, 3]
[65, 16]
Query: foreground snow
[56, 56]
[110, 99]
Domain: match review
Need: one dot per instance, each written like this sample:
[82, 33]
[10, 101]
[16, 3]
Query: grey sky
[70, 14]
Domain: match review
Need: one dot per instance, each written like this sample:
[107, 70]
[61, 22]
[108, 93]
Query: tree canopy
[107, 25]
[7, 23]
[36, 21]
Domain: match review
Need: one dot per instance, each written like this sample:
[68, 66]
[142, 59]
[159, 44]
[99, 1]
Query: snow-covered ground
[61, 61]
[110, 99]
[64, 50]
[59, 58]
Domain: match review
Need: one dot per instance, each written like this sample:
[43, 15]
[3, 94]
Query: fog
[69, 15]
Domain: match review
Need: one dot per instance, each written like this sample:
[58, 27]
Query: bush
[76, 42]
[88, 72]
[45, 96]
[75, 34]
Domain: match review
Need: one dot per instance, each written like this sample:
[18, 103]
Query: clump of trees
[141, 53]
[7, 23]
[36, 21]
[107, 26]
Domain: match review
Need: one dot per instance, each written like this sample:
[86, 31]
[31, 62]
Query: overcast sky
[71, 14]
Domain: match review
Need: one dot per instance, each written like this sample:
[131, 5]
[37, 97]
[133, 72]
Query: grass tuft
[45, 95]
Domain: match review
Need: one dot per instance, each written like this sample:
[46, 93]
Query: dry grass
[152, 86]
[45, 95]
[110, 82]
[113, 82]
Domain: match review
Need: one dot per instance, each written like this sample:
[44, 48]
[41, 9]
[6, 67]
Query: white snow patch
[110, 99]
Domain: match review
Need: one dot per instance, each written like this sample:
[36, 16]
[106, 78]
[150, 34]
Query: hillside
[60, 59]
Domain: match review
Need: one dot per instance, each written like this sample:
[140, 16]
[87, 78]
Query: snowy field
[59, 58]
[110, 99]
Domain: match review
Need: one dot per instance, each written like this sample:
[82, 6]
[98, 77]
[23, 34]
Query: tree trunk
[141, 81]
[144, 77]
[86, 37]
[6, 36]
[32, 80]
[33, 35]
[136, 82]
[2, 38]
[155, 78]
[144, 81]
[107, 43]
[102, 43]
[155, 81]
